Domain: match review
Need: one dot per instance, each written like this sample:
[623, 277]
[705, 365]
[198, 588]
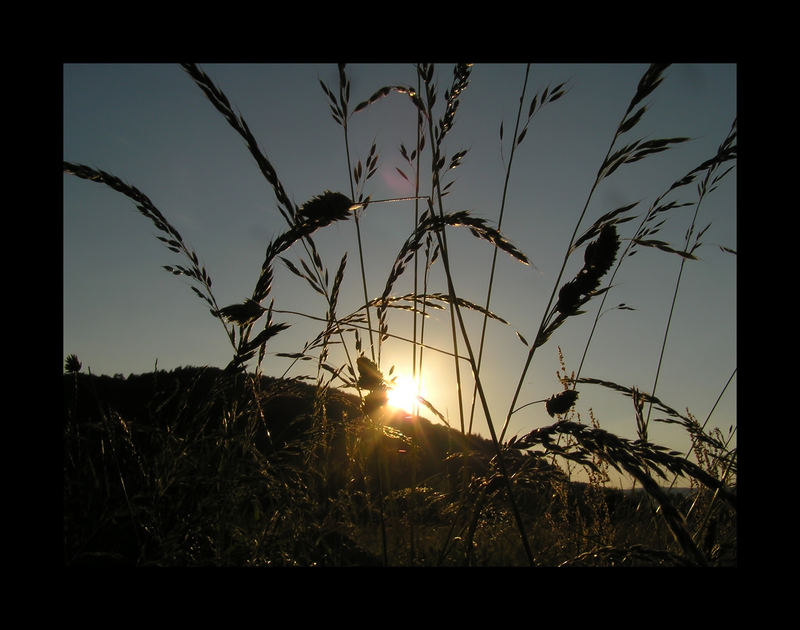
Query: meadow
[310, 456]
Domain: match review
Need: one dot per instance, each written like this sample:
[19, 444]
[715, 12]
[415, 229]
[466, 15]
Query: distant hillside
[156, 463]
[188, 390]
[186, 394]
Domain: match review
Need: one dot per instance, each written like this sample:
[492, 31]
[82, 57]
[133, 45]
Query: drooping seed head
[601, 253]
[326, 208]
[561, 403]
[369, 376]
[242, 314]
[598, 258]
[569, 298]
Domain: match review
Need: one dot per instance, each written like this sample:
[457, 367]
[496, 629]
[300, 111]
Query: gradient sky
[153, 127]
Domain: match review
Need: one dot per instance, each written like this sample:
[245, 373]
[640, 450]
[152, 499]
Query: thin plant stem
[705, 422]
[352, 324]
[414, 379]
[545, 318]
[664, 342]
[494, 250]
[547, 312]
[704, 190]
[422, 344]
[355, 214]
[441, 236]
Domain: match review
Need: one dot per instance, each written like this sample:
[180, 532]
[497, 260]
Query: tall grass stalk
[514, 144]
[704, 188]
[418, 150]
[288, 210]
[705, 423]
[510, 469]
[414, 379]
[635, 151]
[341, 115]
[644, 230]
[548, 95]
[461, 75]
[425, 72]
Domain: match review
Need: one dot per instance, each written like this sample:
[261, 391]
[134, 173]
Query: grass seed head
[561, 403]
[569, 298]
[327, 208]
[375, 400]
[598, 258]
[72, 365]
[600, 254]
[242, 314]
[369, 376]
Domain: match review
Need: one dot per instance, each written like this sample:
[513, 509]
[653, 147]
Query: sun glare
[403, 395]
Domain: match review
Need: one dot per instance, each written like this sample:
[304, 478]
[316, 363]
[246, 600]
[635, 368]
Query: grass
[235, 468]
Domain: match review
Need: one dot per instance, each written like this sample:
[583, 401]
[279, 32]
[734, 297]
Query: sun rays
[403, 394]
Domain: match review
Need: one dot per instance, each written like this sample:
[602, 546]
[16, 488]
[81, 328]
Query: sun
[403, 394]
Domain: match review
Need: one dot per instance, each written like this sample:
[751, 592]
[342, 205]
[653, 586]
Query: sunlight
[403, 394]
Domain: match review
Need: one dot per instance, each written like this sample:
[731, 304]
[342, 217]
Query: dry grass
[219, 490]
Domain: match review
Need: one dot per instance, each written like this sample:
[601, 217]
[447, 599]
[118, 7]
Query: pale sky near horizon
[151, 126]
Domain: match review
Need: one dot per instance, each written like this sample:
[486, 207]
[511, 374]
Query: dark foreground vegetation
[206, 467]
[209, 467]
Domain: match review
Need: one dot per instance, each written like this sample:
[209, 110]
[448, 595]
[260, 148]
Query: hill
[185, 395]
[200, 466]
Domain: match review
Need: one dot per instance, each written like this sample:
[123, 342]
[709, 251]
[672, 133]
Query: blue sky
[152, 126]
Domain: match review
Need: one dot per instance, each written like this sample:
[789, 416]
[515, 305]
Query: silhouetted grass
[229, 467]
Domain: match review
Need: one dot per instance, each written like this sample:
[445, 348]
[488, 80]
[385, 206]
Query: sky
[152, 126]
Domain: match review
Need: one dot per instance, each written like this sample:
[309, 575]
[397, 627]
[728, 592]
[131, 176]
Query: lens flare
[403, 394]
